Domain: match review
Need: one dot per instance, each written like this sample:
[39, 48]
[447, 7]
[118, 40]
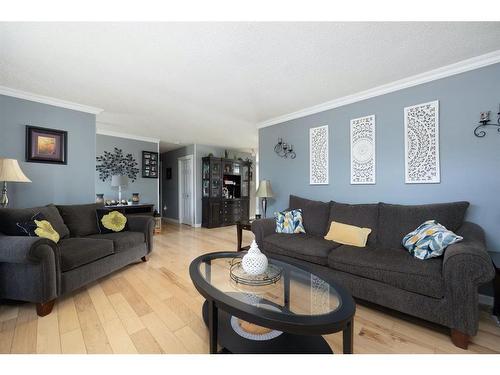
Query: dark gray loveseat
[38, 270]
[443, 290]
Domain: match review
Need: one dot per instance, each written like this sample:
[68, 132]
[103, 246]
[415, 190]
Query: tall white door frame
[190, 158]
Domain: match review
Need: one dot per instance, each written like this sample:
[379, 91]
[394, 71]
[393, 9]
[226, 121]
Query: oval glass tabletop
[297, 292]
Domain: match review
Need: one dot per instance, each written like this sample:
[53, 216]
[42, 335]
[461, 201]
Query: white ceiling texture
[211, 83]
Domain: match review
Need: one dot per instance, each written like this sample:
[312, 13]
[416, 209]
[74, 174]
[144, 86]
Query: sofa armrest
[466, 265]
[262, 228]
[469, 258]
[30, 269]
[144, 224]
[20, 249]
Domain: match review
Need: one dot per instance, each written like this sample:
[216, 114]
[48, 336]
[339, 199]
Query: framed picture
[149, 164]
[46, 145]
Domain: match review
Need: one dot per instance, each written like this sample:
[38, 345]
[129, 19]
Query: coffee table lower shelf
[286, 343]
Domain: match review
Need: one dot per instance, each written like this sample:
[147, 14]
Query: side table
[495, 257]
[240, 227]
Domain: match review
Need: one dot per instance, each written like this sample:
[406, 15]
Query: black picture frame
[149, 164]
[53, 151]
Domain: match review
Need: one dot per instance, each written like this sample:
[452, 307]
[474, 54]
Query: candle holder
[284, 149]
[484, 121]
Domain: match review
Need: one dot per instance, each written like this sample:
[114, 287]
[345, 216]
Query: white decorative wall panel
[318, 155]
[422, 143]
[363, 150]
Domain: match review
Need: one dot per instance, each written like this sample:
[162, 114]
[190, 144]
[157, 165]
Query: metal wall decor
[422, 143]
[363, 150]
[484, 120]
[116, 163]
[318, 155]
[284, 149]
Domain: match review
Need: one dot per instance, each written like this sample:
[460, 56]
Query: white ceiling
[211, 83]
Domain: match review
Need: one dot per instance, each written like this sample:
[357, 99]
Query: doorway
[186, 188]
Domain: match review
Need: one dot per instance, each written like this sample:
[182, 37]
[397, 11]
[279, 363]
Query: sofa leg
[45, 308]
[145, 258]
[460, 339]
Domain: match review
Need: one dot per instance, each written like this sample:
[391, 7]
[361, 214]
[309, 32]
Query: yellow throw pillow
[348, 234]
[45, 230]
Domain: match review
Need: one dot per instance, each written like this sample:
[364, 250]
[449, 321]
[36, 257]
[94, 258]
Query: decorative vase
[254, 262]
[99, 198]
[135, 198]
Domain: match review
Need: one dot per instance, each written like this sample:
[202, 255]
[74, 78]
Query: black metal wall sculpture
[116, 163]
[284, 149]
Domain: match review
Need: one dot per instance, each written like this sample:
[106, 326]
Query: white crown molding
[432, 75]
[4, 90]
[113, 133]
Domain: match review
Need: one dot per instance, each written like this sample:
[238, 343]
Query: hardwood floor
[153, 308]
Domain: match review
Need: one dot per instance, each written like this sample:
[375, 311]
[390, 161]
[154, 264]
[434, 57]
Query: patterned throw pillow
[429, 240]
[110, 221]
[289, 222]
[38, 226]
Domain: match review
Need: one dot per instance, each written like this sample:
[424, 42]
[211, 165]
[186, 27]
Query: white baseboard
[197, 226]
[486, 300]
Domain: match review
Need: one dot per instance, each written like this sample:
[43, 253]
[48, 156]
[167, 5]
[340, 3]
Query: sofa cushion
[80, 218]
[76, 252]
[396, 221]
[122, 240]
[391, 266]
[314, 214]
[9, 217]
[360, 215]
[300, 246]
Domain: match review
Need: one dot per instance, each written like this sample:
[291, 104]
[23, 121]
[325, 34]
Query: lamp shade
[118, 180]
[10, 171]
[264, 190]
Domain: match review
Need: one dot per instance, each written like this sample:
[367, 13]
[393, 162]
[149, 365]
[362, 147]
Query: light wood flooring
[154, 308]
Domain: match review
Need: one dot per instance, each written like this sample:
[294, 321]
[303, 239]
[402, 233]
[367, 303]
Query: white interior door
[186, 190]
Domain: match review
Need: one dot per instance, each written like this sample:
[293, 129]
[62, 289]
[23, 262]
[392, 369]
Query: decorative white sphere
[254, 262]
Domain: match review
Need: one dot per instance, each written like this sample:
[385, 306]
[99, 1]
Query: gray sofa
[443, 290]
[38, 270]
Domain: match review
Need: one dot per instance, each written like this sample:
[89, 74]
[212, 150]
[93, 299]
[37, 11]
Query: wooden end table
[240, 227]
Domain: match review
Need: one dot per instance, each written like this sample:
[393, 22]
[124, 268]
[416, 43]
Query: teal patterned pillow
[289, 222]
[429, 240]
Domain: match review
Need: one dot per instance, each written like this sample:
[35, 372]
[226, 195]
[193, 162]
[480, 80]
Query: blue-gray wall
[470, 166]
[148, 188]
[170, 188]
[51, 183]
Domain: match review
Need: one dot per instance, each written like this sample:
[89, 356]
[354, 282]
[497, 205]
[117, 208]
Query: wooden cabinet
[225, 192]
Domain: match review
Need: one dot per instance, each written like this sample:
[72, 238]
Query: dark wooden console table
[134, 209]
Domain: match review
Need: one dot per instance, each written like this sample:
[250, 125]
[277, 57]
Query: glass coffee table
[287, 316]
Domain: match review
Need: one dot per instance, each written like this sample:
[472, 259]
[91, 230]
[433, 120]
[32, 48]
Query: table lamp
[10, 172]
[264, 191]
[119, 181]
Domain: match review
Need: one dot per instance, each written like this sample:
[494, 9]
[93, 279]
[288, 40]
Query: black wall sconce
[284, 149]
[484, 121]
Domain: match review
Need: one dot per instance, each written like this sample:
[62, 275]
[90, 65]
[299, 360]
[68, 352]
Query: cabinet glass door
[244, 180]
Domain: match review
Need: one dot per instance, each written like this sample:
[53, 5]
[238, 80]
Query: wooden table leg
[496, 303]
[239, 234]
[213, 324]
[347, 341]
